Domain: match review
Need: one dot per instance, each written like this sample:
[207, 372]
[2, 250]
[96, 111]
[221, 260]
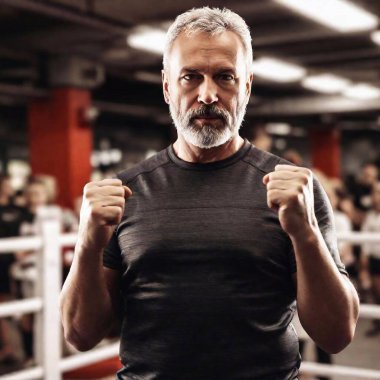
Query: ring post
[48, 286]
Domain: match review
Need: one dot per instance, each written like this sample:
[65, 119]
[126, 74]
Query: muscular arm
[90, 301]
[326, 300]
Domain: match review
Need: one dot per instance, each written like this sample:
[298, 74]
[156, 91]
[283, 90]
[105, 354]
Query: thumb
[266, 179]
[127, 192]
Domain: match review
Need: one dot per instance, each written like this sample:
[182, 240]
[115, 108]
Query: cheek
[182, 98]
[236, 98]
[233, 103]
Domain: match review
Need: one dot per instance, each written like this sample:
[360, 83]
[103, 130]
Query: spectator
[24, 270]
[371, 257]
[39, 191]
[10, 219]
[361, 187]
[342, 225]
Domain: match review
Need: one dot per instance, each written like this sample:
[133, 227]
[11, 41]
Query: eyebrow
[219, 70]
[189, 70]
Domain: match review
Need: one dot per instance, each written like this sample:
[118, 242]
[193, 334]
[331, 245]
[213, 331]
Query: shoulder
[152, 163]
[263, 160]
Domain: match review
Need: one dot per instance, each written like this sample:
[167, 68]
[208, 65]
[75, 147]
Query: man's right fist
[102, 209]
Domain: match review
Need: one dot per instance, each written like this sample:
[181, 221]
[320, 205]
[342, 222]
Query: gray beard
[206, 136]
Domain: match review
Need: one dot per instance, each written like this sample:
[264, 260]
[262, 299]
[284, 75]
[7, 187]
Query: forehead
[204, 51]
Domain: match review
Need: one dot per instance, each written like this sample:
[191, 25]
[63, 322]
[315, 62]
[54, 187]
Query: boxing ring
[48, 332]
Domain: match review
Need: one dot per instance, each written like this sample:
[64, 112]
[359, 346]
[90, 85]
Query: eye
[227, 77]
[190, 77]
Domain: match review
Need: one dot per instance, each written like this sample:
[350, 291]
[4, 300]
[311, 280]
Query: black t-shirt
[206, 271]
[11, 217]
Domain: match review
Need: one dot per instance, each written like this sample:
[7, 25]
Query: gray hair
[212, 21]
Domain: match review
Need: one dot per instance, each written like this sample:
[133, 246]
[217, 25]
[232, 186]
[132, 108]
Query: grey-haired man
[217, 242]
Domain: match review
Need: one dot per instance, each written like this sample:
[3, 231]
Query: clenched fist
[290, 192]
[102, 209]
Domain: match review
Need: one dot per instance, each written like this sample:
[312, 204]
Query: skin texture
[90, 301]
[208, 70]
[327, 302]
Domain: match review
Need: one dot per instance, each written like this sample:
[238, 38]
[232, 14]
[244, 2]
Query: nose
[208, 91]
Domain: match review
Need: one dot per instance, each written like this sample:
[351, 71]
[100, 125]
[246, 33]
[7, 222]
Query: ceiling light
[148, 38]
[375, 36]
[340, 15]
[325, 83]
[278, 71]
[362, 91]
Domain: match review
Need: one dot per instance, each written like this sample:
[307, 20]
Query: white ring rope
[20, 244]
[26, 374]
[338, 370]
[86, 358]
[359, 237]
[29, 305]
[35, 243]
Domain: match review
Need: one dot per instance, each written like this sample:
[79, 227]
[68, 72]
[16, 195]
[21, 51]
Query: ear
[165, 86]
[249, 84]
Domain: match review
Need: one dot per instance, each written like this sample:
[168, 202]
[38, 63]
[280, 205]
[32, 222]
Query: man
[204, 274]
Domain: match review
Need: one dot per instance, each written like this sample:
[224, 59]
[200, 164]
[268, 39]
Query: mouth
[207, 117]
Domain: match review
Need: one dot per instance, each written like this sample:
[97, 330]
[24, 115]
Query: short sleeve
[112, 254]
[325, 217]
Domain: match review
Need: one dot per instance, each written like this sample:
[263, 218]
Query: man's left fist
[290, 192]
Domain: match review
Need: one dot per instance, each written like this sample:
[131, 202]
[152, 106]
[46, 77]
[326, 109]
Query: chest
[206, 221]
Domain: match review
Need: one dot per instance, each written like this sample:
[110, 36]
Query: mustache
[209, 111]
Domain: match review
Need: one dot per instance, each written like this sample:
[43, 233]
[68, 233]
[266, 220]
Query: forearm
[86, 306]
[326, 300]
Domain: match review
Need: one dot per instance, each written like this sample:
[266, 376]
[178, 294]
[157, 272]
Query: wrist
[307, 233]
[83, 247]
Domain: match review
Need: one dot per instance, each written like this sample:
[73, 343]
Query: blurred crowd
[356, 206]
[18, 270]
[355, 202]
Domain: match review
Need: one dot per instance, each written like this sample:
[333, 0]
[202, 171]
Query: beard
[207, 135]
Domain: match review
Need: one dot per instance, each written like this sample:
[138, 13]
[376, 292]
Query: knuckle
[115, 182]
[308, 172]
[88, 186]
[94, 213]
[120, 213]
[304, 179]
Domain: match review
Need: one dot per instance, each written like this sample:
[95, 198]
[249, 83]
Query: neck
[192, 153]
